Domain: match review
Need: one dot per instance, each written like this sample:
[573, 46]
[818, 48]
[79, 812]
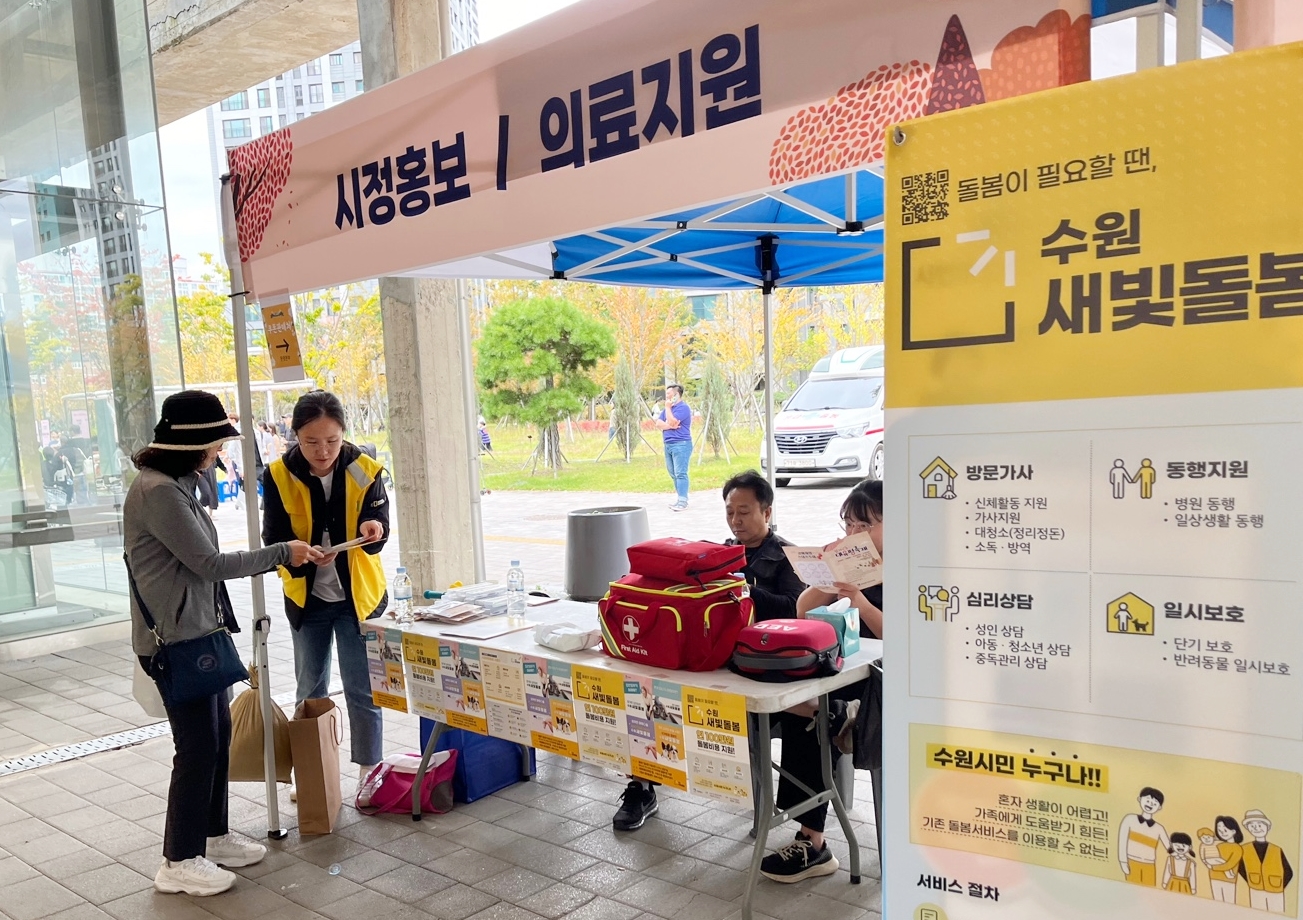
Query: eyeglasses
[851, 525]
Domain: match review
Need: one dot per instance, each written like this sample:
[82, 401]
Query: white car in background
[832, 425]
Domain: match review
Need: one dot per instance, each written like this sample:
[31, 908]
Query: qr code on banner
[925, 197]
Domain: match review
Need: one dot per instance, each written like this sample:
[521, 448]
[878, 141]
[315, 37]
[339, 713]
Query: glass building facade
[88, 330]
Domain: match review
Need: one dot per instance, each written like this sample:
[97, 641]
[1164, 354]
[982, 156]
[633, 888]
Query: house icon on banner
[938, 480]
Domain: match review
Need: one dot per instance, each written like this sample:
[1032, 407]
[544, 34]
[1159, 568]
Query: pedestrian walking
[177, 570]
[675, 424]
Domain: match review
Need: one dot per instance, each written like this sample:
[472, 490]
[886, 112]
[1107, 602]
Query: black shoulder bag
[193, 668]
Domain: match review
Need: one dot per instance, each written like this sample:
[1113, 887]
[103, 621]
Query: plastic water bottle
[402, 595]
[515, 592]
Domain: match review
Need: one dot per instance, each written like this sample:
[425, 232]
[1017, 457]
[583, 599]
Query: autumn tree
[535, 358]
[207, 334]
[342, 338]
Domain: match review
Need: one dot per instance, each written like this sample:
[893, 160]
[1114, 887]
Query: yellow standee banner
[1095, 347]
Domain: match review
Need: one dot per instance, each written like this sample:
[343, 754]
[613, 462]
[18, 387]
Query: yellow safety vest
[1264, 874]
[366, 572]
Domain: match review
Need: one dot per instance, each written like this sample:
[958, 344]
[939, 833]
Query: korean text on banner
[463, 686]
[1095, 305]
[424, 675]
[282, 339]
[556, 128]
[599, 707]
[719, 765]
[384, 653]
[654, 712]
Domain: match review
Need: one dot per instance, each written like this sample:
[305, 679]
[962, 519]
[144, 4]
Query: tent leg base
[277, 835]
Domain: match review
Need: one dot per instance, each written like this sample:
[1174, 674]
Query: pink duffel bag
[388, 787]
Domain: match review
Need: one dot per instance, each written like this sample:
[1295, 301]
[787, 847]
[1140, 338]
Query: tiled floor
[81, 841]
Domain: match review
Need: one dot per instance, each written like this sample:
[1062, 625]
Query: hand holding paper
[853, 560]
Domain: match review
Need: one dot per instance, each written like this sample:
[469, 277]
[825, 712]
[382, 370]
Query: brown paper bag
[315, 735]
[246, 764]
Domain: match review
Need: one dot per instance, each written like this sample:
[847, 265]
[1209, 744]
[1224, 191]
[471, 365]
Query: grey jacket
[176, 559]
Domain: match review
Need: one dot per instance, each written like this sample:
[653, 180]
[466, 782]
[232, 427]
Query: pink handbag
[388, 787]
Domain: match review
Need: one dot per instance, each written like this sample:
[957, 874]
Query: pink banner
[617, 110]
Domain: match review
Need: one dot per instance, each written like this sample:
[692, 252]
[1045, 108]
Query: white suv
[832, 425]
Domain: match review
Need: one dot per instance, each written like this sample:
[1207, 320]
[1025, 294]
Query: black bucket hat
[193, 420]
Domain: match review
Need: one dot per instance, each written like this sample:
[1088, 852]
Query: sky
[188, 170]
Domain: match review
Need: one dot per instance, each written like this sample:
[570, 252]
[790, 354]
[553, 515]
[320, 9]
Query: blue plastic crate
[484, 764]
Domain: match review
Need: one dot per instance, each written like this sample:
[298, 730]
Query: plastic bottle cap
[402, 570]
[515, 562]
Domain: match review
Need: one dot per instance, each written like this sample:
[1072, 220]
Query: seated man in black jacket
[748, 506]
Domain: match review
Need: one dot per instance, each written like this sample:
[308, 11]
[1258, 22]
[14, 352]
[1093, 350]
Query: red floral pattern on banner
[259, 171]
[850, 128]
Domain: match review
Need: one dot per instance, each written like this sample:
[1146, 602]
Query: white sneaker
[197, 877]
[363, 771]
[294, 793]
[233, 852]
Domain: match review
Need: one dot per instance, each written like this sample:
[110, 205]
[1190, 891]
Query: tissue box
[847, 624]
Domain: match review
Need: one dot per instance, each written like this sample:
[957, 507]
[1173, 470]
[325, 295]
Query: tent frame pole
[768, 298]
[244, 400]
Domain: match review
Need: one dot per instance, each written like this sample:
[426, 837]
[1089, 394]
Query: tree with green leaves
[716, 407]
[534, 358]
[626, 409]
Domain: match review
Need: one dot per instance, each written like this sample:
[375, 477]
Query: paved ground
[81, 840]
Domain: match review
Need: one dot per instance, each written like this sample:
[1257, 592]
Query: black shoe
[797, 861]
[637, 804]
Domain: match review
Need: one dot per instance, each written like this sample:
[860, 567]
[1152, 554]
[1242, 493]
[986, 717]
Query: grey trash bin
[596, 541]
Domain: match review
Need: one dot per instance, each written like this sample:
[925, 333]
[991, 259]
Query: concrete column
[428, 431]
[1259, 23]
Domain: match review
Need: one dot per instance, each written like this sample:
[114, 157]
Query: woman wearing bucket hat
[177, 571]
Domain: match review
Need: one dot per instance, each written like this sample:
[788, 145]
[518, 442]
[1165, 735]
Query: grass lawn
[645, 472]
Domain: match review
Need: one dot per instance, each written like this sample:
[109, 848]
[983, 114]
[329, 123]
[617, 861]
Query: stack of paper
[449, 612]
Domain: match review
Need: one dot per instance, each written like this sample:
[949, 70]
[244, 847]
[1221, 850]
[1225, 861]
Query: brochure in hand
[853, 560]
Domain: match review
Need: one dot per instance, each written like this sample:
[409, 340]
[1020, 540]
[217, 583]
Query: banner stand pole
[244, 400]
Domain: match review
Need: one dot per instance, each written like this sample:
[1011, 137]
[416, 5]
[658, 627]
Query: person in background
[808, 855]
[177, 571]
[675, 424]
[748, 506]
[326, 491]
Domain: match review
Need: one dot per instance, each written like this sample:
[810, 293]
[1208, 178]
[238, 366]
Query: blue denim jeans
[677, 454]
[312, 670]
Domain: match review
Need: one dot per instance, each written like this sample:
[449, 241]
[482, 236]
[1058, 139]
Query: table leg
[426, 754]
[764, 809]
[825, 761]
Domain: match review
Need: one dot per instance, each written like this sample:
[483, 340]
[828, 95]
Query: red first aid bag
[667, 625]
[677, 560]
[782, 650]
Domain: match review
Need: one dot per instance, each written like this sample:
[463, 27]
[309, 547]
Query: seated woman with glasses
[808, 856]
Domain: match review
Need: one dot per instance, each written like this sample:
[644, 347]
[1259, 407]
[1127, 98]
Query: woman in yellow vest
[326, 491]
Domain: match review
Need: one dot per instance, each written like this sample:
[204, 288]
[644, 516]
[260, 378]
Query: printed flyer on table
[1096, 406]
[691, 739]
